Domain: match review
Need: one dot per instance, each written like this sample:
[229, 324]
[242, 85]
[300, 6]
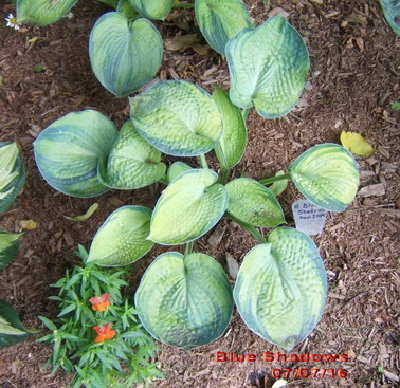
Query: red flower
[100, 303]
[104, 332]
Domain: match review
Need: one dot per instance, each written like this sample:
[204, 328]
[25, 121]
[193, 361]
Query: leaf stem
[111, 3]
[250, 229]
[245, 114]
[178, 4]
[203, 161]
[274, 179]
[189, 248]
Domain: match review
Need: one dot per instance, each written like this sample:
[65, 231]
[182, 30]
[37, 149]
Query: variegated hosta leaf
[12, 174]
[188, 208]
[279, 186]
[184, 301]
[42, 12]
[391, 10]
[121, 239]
[176, 169]
[67, 153]
[9, 245]
[268, 67]
[221, 20]
[132, 162]
[153, 9]
[124, 54]
[327, 175]
[253, 203]
[11, 329]
[233, 141]
[177, 117]
[281, 288]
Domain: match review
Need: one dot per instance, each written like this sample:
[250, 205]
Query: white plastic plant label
[309, 218]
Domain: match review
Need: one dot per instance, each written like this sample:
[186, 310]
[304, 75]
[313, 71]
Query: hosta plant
[96, 336]
[391, 10]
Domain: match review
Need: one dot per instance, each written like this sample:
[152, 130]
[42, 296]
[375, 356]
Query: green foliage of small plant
[121, 354]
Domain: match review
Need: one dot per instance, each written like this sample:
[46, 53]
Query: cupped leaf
[177, 117]
[355, 143]
[253, 203]
[176, 169]
[42, 12]
[221, 20]
[153, 9]
[132, 163]
[184, 301]
[124, 54]
[126, 8]
[391, 10]
[281, 288]
[12, 174]
[268, 67]
[67, 153]
[188, 208]
[121, 239]
[327, 175]
[9, 246]
[234, 138]
[11, 329]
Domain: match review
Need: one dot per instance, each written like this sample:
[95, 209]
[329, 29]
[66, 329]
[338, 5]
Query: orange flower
[104, 332]
[100, 303]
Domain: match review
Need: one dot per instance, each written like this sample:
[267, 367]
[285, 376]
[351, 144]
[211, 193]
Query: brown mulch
[354, 78]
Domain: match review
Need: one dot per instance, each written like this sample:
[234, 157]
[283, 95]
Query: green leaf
[281, 288]
[67, 153]
[177, 117]
[188, 208]
[279, 186]
[268, 67]
[11, 329]
[327, 175]
[391, 10]
[122, 238]
[153, 9]
[124, 54]
[125, 7]
[12, 174]
[221, 20]
[175, 169]
[42, 12]
[396, 106]
[9, 246]
[184, 301]
[234, 138]
[253, 203]
[86, 216]
[132, 163]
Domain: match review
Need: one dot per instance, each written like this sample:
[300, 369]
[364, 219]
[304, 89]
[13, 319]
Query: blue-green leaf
[153, 9]
[391, 10]
[184, 301]
[124, 54]
[268, 66]
[176, 169]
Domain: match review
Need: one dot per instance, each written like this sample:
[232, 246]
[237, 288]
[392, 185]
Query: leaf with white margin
[391, 10]
[67, 153]
[176, 169]
[11, 329]
[221, 20]
[253, 203]
[121, 240]
[9, 246]
[153, 9]
[42, 12]
[281, 288]
[177, 117]
[327, 175]
[124, 54]
[268, 67]
[12, 174]
[132, 163]
[234, 138]
[184, 301]
[188, 208]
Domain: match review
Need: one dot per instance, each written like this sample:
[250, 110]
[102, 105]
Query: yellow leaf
[355, 143]
[28, 224]
[86, 216]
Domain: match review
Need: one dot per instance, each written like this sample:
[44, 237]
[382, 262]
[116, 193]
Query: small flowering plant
[96, 335]
[12, 22]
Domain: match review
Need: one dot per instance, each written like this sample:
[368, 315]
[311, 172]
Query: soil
[353, 81]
